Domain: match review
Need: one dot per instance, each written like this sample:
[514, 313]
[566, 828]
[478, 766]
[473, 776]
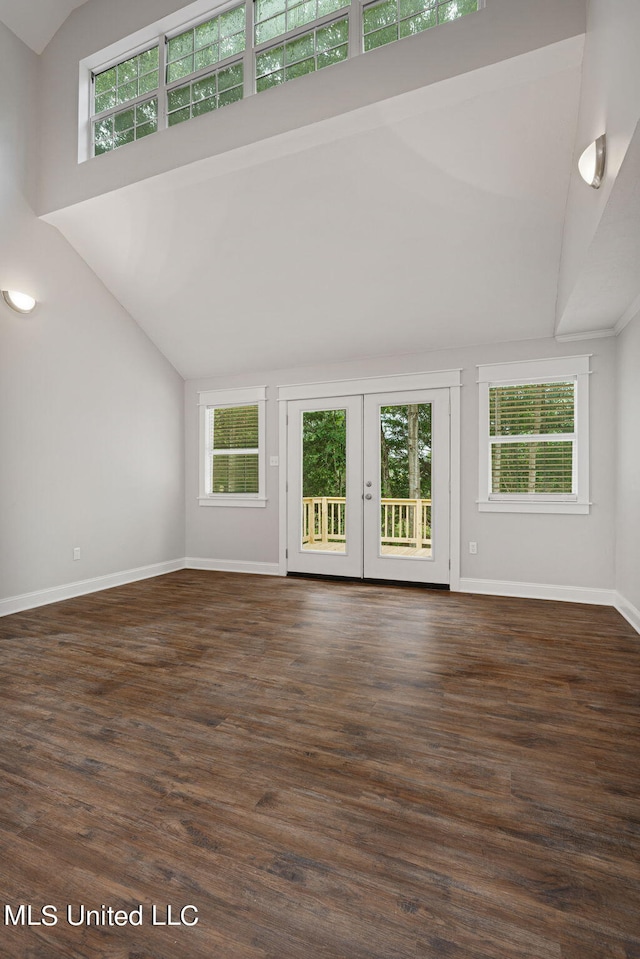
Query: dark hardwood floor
[324, 770]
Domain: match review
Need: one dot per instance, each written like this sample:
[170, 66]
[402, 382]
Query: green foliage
[324, 457]
[395, 451]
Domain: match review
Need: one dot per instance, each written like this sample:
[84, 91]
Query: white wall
[561, 550]
[628, 467]
[91, 439]
[609, 102]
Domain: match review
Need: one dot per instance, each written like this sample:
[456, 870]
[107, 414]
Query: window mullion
[355, 29]
[248, 57]
[162, 87]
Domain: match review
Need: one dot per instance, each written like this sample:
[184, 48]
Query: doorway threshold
[369, 581]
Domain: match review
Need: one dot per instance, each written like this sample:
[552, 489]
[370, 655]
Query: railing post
[312, 520]
[325, 520]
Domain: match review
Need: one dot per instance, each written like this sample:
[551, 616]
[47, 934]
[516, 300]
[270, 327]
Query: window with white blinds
[534, 436]
[232, 447]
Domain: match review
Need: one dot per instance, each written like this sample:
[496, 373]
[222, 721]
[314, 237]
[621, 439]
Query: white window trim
[210, 399]
[550, 370]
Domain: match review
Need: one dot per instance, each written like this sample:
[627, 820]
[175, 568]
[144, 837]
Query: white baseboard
[232, 566]
[565, 594]
[626, 609]
[18, 604]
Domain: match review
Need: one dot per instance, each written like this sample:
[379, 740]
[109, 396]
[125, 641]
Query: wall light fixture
[20, 302]
[592, 162]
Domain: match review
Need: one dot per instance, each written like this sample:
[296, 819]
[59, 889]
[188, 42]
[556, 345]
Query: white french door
[368, 486]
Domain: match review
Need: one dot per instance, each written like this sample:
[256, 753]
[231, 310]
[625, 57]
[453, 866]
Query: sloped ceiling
[36, 21]
[429, 228]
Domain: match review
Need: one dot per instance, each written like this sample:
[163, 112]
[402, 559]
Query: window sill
[531, 506]
[253, 501]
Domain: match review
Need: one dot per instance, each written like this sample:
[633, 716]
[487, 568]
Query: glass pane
[206, 33]
[333, 35]
[380, 37]
[230, 96]
[270, 28]
[455, 9]
[148, 82]
[269, 61]
[206, 56]
[417, 24]
[543, 467]
[231, 45]
[405, 480]
[180, 46]
[329, 6]
[148, 61]
[298, 49]
[203, 106]
[235, 473]
[531, 409]
[379, 16]
[232, 22]
[127, 71]
[333, 56]
[179, 69]
[271, 80]
[301, 14]
[231, 77]
[235, 427]
[324, 480]
[106, 81]
[268, 8]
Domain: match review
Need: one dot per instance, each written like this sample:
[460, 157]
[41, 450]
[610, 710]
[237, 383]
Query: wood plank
[330, 769]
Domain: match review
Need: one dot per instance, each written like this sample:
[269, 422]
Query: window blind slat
[542, 467]
[234, 427]
[532, 408]
[235, 473]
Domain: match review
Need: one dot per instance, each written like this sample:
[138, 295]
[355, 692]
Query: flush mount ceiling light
[591, 163]
[20, 302]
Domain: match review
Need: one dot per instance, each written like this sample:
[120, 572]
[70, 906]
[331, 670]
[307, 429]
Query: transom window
[243, 50]
[534, 436]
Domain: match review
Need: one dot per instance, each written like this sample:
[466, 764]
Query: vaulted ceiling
[36, 21]
[427, 222]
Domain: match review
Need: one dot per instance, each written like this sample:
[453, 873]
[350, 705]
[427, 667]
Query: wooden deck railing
[403, 522]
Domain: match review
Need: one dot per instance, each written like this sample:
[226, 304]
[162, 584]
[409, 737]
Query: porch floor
[385, 550]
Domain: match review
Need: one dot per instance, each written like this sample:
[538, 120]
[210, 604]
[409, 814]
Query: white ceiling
[429, 227]
[36, 21]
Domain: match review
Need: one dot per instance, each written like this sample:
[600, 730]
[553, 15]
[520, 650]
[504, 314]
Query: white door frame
[402, 382]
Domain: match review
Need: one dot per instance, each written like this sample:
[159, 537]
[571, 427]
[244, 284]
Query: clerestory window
[238, 50]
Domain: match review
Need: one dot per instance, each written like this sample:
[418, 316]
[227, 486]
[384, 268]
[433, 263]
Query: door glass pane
[324, 480]
[405, 480]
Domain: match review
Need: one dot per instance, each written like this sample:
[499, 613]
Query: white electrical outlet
[76, 552]
[473, 547]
